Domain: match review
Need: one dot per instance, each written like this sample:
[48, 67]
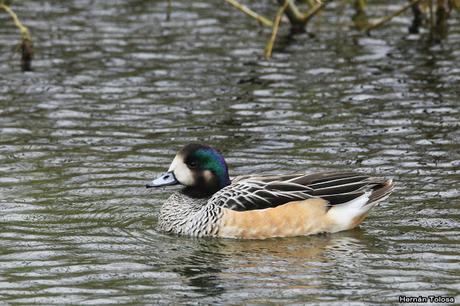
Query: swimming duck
[258, 207]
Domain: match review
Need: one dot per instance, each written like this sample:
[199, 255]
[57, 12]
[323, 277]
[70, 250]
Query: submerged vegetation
[431, 14]
[26, 40]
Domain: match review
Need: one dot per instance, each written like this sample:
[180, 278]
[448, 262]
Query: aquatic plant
[432, 14]
[26, 46]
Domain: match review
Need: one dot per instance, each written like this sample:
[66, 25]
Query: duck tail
[381, 192]
[349, 214]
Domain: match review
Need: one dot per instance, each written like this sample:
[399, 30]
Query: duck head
[200, 168]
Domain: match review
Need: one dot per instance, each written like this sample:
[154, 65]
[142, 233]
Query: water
[116, 90]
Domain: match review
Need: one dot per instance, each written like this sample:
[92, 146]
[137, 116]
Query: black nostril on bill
[166, 177]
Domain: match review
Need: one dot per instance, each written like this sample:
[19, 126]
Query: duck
[210, 204]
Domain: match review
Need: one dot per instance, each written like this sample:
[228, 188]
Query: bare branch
[297, 18]
[313, 11]
[389, 17]
[261, 19]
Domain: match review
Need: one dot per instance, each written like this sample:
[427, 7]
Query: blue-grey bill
[165, 179]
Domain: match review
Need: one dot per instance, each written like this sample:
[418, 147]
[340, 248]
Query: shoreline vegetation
[431, 14]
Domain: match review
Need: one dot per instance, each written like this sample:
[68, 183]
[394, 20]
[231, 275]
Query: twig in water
[169, 10]
[389, 17]
[298, 19]
[261, 19]
[312, 12]
[26, 39]
[293, 14]
[276, 25]
[442, 14]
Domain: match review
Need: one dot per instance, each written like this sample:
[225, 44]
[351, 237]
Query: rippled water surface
[117, 89]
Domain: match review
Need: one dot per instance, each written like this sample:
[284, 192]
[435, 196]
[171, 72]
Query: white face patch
[181, 171]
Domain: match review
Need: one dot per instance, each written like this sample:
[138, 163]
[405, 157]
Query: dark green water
[116, 90]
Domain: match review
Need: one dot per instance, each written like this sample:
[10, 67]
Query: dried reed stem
[276, 25]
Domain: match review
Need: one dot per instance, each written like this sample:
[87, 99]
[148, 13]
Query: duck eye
[192, 164]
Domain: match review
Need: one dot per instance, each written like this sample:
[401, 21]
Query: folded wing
[260, 192]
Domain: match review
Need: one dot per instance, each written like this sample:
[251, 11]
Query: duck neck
[206, 188]
[197, 193]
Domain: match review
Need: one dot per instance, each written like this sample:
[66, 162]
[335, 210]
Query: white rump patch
[343, 214]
